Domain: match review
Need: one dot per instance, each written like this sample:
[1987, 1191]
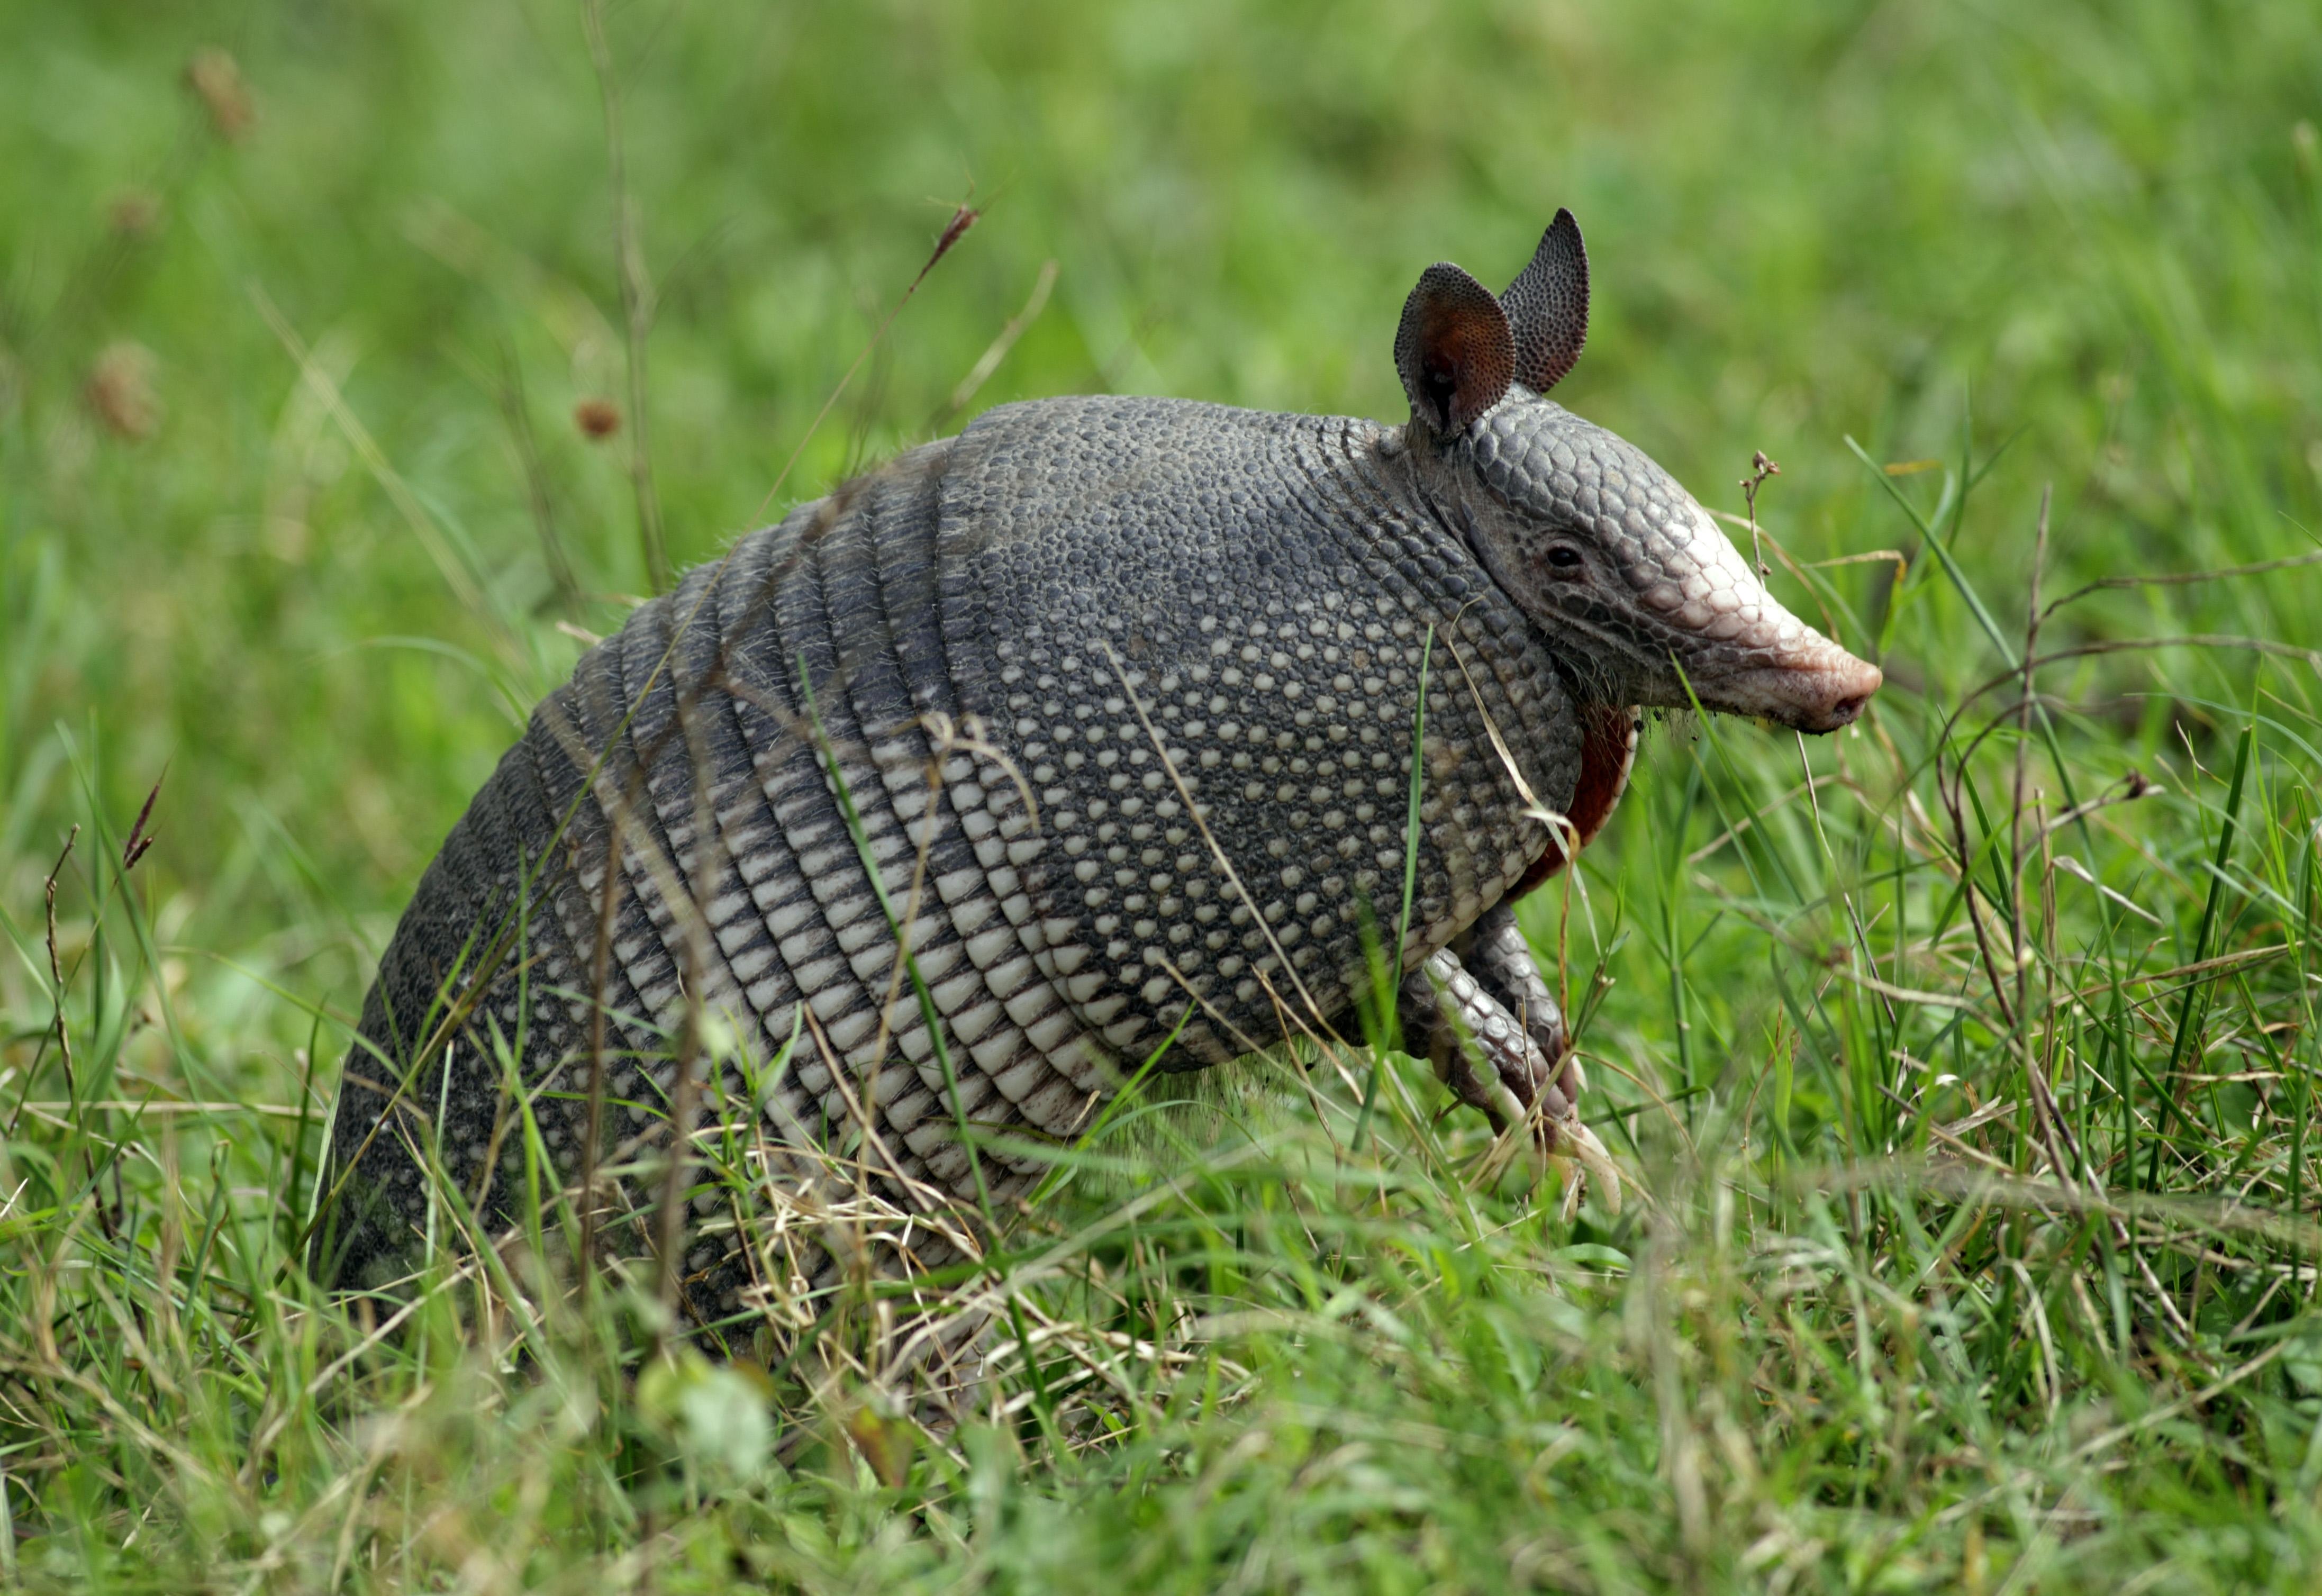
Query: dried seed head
[121, 391]
[598, 419]
[954, 231]
[216, 78]
[134, 213]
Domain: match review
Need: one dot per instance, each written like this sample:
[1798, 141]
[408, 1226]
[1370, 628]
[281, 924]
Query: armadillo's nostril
[1830, 691]
[1857, 681]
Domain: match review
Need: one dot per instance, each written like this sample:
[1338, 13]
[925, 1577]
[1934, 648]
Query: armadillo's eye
[1564, 556]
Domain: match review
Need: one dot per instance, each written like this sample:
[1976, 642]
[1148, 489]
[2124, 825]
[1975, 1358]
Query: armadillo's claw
[1599, 1161]
[1497, 1039]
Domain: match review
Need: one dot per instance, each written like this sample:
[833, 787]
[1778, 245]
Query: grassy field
[1963, 1066]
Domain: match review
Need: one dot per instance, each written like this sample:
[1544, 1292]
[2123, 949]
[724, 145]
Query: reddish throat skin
[1608, 749]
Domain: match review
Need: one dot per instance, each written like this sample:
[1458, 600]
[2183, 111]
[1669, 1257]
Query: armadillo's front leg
[1464, 1017]
[1496, 952]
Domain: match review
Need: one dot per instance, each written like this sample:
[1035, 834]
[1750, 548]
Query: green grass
[1973, 1141]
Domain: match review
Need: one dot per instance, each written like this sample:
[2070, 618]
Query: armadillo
[1080, 743]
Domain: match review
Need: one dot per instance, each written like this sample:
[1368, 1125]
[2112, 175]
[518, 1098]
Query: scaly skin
[1116, 697]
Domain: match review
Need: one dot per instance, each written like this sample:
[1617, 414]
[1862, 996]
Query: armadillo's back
[1116, 698]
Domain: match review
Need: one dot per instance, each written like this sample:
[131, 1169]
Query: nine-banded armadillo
[1117, 697]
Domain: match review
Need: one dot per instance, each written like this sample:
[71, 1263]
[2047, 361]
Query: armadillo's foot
[1490, 1059]
[1496, 953]
[1497, 1040]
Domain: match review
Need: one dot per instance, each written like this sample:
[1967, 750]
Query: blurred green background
[2094, 225]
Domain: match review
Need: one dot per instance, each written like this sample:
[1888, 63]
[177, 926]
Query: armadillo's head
[1594, 540]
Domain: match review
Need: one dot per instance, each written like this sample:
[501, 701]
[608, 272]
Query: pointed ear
[1548, 306]
[1454, 349]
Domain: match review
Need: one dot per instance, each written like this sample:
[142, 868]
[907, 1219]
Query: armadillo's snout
[1861, 680]
[1833, 689]
[1810, 683]
[1741, 649]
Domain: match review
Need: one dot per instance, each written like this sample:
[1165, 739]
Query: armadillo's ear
[1548, 306]
[1454, 349]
